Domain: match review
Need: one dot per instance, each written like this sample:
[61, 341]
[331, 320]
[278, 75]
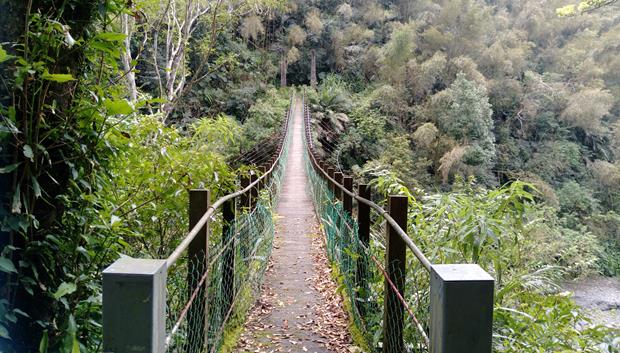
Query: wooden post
[337, 192]
[254, 191]
[347, 201]
[395, 260]
[330, 184]
[461, 309]
[313, 80]
[228, 256]
[246, 197]
[283, 71]
[363, 233]
[134, 306]
[263, 170]
[197, 265]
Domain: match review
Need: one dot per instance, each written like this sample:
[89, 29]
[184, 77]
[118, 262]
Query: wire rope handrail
[382, 212]
[183, 246]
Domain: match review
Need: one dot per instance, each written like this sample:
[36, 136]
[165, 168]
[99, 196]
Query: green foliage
[332, 95]
[557, 160]
[397, 52]
[576, 199]
[502, 231]
[265, 117]
[468, 120]
[90, 176]
[583, 7]
[545, 323]
[146, 198]
[55, 123]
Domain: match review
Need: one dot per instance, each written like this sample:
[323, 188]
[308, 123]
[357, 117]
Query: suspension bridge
[396, 300]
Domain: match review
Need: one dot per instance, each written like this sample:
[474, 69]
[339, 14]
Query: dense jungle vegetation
[498, 118]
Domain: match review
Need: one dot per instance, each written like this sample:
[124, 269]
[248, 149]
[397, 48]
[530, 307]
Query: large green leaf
[6, 265]
[4, 56]
[111, 37]
[28, 153]
[76, 346]
[4, 333]
[9, 168]
[60, 78]
[16, 205]
[64, 289]
[118, 107]
[43, 345]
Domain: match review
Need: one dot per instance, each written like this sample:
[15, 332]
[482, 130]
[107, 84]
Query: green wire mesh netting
[362, 273]
[225, 291]
[206, 299]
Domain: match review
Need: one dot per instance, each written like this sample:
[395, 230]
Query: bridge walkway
[298, 310]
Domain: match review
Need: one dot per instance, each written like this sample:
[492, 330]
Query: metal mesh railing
[364, 276]
[209, 294]
[235, 270]
[389, 308]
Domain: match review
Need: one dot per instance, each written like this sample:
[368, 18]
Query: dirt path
[290, 315]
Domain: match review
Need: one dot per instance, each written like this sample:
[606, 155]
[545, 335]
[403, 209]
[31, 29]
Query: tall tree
[315, 28]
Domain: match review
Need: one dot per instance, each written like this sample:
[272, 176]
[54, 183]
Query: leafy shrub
[146, 200]
[502, 231]
[556, 161]
[606, 227]
[576, 199]
[265, 117]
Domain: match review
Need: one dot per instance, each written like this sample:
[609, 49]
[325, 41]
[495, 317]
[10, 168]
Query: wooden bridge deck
[287, 318]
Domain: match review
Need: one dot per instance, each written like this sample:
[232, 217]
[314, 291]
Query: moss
[356, 334]
[235, 325]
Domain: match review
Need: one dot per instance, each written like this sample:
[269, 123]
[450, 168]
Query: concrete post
[461, 309]
[134, 306]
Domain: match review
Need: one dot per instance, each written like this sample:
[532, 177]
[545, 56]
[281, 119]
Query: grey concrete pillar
[461, 309]
[134, 306]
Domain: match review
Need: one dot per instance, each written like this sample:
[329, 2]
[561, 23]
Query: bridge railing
[399, 300]
[186, 302]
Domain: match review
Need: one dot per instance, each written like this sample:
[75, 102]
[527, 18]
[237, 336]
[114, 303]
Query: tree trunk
[313, 80]
[126, 57]
[283, 72]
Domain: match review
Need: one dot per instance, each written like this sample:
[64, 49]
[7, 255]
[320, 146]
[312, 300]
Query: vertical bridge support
[134, 306]
[338, 176]
[228, 266]
[395, 261]
[461, 309]
[198, 264]
[347, 201]
[253, 191]
[363, 233]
